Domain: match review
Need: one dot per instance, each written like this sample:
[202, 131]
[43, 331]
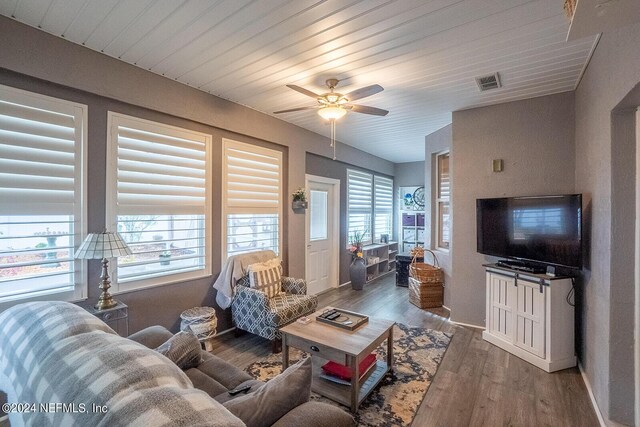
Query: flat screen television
[542, 229]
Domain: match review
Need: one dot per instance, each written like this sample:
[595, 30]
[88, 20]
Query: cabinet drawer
[316, 349]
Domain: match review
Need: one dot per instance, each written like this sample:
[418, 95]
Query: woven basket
[426, 273]
[426, 284]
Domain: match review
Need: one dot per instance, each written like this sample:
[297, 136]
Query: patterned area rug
[417, 352]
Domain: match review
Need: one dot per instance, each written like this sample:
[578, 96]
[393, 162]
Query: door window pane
[318, 215]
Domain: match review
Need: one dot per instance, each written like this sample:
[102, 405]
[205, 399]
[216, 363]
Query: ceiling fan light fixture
[332, 112]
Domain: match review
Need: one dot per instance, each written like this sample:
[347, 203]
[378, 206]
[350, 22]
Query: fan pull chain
[333, 137]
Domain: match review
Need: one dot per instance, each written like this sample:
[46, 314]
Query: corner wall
[535, 138]
[601, 147]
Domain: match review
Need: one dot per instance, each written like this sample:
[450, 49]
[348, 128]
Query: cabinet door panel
[529, 318]
[502, 292]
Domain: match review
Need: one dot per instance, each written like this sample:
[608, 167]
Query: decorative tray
[348, 320]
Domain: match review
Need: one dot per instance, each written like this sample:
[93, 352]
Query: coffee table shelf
[342, 393]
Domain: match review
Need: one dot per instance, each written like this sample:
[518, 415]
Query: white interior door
[322, 239]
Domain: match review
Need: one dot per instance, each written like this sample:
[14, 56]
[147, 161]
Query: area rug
[417, 355]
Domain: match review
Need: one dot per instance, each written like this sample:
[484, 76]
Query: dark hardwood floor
[477, 384]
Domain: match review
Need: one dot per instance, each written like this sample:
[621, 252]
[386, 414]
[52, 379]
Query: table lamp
[103, 245]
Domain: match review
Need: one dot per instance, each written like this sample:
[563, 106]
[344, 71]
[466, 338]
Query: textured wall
[535, 138]
[82, 75]
[435, 143]
[614, 70]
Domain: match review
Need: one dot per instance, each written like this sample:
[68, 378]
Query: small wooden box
[425, 295]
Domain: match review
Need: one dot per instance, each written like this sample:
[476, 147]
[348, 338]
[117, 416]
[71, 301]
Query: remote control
[327, 314]
[244, 389]
[333, 316]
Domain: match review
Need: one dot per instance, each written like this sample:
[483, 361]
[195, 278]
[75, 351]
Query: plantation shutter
[360, 203]
[42, 142]
[40, 155]
[252, 198]
[383, 206]
[161, 169]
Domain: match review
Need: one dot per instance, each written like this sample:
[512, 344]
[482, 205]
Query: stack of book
[341, 374]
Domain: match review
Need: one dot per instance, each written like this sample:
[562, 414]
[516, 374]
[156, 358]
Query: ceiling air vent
[488, 82]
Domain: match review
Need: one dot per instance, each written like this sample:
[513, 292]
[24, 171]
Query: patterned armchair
[254, 312]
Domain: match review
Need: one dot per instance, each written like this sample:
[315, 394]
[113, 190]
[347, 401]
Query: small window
[42, 178]
[383, 206]
[369, 205]
[160, 185]
[443, 207]
[252, 201]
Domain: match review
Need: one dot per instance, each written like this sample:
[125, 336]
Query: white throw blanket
[234, 269]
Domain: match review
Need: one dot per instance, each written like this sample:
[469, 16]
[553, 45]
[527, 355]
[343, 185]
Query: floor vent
[488, 82]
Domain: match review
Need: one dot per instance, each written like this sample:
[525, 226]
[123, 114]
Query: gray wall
[535, 138]
[602, 171]
[435, 143]
[407, 174]
[105, 83]
[322, 166]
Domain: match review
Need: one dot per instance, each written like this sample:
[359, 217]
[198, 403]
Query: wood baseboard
[591, 396]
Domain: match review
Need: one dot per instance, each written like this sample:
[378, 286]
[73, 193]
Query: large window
[442, 202]
[252, 198]
[42, 217]
[159, 195]
[369, 205]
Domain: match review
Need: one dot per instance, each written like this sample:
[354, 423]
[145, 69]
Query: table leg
[355, 383]
[285, 352]
[390, 349]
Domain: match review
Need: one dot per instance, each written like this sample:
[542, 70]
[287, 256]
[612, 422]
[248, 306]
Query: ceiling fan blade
[303, 91]
[363, 92]
[291, 110]
[368, 110]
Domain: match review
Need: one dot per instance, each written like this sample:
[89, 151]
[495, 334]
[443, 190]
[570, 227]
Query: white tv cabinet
[529, 316]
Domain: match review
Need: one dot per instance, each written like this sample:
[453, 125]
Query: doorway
[322, 234]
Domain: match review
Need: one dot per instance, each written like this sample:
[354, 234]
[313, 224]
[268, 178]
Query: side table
[113, 316]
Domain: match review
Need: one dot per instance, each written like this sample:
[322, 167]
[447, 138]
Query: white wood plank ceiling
[425, 53]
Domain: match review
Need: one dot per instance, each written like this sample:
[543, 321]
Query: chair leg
[276, 345]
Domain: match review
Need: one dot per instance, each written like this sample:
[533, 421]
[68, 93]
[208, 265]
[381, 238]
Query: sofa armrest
[291, 285]
[152, 336]
[316, 414]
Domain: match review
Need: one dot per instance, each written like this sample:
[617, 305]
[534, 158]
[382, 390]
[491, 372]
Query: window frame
[438, 200]
[80, 111]
[227, 210]
[114, 119]
[372, 209]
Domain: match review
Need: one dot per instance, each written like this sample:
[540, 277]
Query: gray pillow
[276, 398]
[183, 349]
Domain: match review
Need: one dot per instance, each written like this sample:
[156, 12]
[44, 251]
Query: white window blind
[383, 206]
[42, 149]
[252, 202]
[160, 178]
[359, 203]
[443, 206]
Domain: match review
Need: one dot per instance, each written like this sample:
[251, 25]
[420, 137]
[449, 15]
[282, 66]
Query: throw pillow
[266, 277]
[276, 398]
[183, 349]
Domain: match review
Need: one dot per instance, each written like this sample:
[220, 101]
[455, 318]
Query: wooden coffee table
[325, 342]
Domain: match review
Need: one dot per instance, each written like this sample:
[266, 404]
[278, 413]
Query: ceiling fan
[333, 105]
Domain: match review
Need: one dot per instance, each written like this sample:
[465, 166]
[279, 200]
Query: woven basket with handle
[426, 284]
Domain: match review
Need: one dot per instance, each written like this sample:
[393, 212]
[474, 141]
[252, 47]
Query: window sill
[127, 287]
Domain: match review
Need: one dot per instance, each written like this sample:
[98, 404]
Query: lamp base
[105, 300]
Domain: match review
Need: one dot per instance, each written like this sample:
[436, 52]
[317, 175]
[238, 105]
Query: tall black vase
[358, 273]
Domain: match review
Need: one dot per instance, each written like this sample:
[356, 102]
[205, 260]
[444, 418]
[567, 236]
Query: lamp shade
[332, 112]
[103, 245]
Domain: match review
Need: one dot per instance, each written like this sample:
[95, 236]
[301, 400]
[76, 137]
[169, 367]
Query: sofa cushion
[223, 372]
[152, 336]
[266, 277]
[272, 401]
[225, 397]
[183, 349]
[205, 383]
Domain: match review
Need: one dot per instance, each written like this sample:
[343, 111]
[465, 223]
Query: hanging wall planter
[299, 200]
[299, 204]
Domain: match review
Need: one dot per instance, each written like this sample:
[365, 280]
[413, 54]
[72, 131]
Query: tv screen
[543, 229]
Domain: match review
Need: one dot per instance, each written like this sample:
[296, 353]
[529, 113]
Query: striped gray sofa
[57, 353]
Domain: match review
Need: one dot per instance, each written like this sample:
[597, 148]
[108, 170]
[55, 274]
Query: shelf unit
[412, 229]
[386, 259]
